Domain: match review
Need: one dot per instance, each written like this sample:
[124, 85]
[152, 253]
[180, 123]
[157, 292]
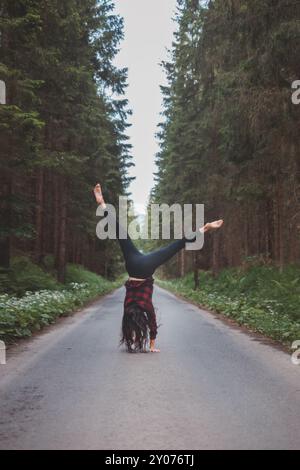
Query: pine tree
[80, 119]
[230, 135]
[20, 123]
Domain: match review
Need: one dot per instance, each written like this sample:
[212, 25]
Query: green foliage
[63, 127]
[24, 276]
[261, 298]
[230, 132]
[78, 274]
[21, 316]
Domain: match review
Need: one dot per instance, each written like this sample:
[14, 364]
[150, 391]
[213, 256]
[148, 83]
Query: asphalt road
[211, 387]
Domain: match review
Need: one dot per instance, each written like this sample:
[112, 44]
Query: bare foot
[212, 226]
[98, 194]
[155, 350]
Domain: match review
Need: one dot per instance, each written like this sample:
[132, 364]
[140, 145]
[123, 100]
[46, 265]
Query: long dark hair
[135, 329]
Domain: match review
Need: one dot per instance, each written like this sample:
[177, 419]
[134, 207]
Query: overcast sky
[148, 33]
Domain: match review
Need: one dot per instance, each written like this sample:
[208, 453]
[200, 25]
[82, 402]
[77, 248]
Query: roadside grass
[26, 311]
[259, 297]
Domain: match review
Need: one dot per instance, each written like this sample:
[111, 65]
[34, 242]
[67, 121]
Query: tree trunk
[182, 263]
[196, 271]
[215, 255]
[62, 249]
[56, 229]
[38, 250]
[5, 210]
[280, 226]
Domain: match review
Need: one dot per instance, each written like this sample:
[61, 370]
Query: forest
[230, 134]
[165, 103]
[228, 139]
[62, 129]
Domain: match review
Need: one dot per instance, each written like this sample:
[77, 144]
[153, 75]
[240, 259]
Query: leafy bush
[260, 297]
[78, 274]
[33, 297]
[24, 276]
[19, 317]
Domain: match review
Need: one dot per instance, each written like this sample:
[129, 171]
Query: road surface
[212, 386]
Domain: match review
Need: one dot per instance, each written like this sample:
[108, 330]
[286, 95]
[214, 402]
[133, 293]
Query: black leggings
[142, 266]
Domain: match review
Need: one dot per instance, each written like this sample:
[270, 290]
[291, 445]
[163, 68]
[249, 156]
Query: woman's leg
[129, 250]
[127, 246]
[143, 266]
[155, 259]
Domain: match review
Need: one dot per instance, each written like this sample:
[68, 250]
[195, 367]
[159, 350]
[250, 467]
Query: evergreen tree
[229, 137]
[20, 123]
[76, 120]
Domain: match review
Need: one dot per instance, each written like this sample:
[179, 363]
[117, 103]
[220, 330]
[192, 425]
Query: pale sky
[148, 32]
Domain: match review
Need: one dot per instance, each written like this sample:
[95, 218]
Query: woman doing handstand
[139, 319]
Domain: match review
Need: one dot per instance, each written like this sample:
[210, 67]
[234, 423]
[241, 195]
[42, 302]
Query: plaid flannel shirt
[140, 293]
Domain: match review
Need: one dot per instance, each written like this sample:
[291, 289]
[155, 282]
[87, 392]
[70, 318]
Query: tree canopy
[230, 133]
[63, 128]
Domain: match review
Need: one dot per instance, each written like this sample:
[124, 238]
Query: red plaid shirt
[140, 293]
